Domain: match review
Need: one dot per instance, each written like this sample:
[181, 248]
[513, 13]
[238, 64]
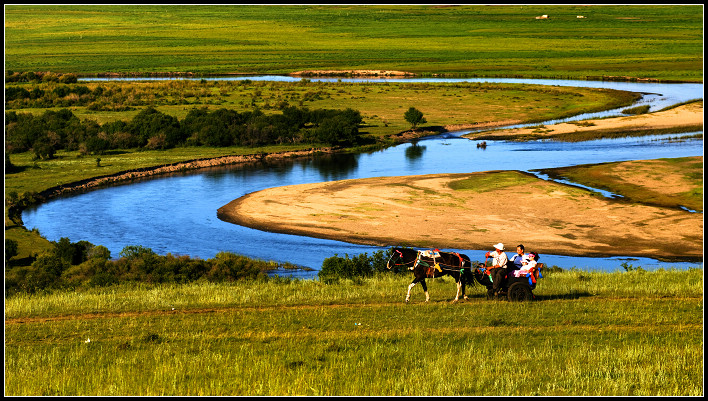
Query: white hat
[499, 246]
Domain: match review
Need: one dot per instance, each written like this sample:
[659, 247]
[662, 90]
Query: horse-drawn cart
[516, 289]
[432, 264]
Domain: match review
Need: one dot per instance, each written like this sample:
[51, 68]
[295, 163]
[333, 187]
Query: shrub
[10, 249]
[359, 266]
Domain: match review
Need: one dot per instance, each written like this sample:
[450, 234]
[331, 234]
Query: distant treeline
[151, 129]
[40, 76]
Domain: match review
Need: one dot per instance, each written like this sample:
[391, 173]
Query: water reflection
[414, 153]
[336, 166]
[177, 214]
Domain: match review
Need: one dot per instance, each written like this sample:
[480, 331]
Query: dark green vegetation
[152, 129]
[98, 117]
[80, 265]
[641, 41]
[382, 105]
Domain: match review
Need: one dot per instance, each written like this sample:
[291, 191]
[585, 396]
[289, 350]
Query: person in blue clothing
[517, 261]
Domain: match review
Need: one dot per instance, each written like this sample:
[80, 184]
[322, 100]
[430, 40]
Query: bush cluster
[356, 267]
[151, 129]
[81, 265]
[39, 76]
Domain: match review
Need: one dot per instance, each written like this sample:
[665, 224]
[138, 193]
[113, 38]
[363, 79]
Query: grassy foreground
[644, 41]
[587, 333]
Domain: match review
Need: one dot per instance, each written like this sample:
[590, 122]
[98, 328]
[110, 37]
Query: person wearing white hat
[498, 269]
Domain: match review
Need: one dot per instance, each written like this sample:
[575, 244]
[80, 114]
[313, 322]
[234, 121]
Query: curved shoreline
[15, 211]
[687, 116]
[424, 211]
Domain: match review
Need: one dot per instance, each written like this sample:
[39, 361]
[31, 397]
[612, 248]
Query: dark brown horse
[431, 264]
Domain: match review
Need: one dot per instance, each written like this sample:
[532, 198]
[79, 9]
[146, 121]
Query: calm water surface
[177, 214]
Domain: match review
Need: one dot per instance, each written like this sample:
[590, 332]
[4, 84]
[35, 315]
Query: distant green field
[646, 41]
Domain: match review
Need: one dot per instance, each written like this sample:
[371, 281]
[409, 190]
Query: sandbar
[426, 212]
[687, 115]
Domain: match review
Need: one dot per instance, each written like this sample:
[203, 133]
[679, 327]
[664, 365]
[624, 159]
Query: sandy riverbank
[424, 211]
[688, 115]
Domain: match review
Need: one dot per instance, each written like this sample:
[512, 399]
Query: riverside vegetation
[66, 129]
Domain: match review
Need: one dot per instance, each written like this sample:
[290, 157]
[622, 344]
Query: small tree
[10, 249]
[415, 117]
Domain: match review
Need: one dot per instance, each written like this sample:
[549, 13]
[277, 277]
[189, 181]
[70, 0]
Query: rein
[400, 256]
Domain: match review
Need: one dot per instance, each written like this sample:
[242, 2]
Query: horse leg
[425, 288]
[463, 279]
[459, 290]
[411, 285]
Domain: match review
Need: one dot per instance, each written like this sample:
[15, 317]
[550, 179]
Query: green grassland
[643, 41]
[382, 105]
[585, 334]
[588, 333]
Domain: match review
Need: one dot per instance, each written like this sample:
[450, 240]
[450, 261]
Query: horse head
[396, 255]
[401, 256]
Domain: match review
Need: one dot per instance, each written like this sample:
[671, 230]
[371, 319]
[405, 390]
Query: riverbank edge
[373, 74]
[15, 211]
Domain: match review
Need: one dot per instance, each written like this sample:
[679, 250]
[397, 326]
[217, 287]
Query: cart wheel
[519, 292]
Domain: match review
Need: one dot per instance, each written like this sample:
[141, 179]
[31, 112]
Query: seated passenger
[516, 261]
[528, 266]
[498, 271]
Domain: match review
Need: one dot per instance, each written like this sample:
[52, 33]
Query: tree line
[152, 129]
[84, 265]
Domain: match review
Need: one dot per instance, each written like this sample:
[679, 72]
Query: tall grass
[586, 334]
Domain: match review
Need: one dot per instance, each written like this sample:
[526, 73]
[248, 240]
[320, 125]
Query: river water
[177, 213]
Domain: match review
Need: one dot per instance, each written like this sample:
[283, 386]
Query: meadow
[382, 105]
[587, 333]
[640, 41]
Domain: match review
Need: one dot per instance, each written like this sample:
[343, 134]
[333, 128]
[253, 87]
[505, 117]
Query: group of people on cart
[521, 264]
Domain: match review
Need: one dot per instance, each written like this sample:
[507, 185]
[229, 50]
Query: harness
[400, 256]
[436, 265]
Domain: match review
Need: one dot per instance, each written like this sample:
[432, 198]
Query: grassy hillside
[646, 41]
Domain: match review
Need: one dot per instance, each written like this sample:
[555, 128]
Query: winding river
[177, 213]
